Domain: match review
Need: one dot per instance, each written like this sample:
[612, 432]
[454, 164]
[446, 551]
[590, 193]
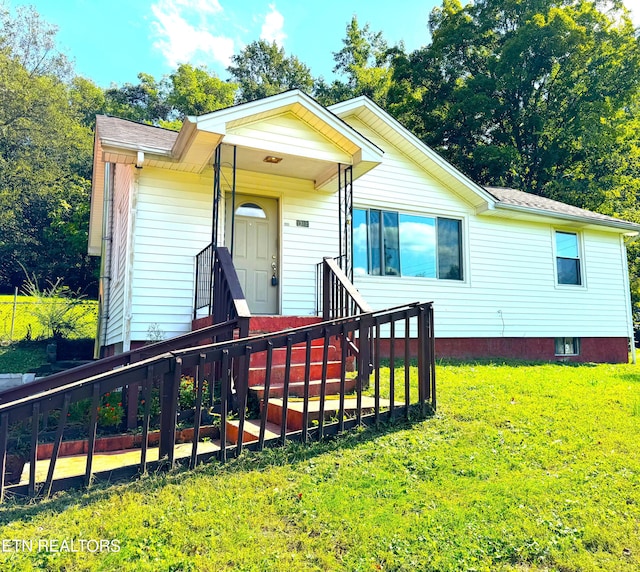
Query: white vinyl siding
[509, 286]
[285, 133]
[173, 223]
[119, 251]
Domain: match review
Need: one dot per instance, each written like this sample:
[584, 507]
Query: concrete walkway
[75, 465]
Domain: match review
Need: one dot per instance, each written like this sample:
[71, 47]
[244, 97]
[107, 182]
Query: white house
[511, 274]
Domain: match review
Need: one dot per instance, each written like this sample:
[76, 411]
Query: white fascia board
[359, 104]
[216, 121]
[631, 228]
[109, 144]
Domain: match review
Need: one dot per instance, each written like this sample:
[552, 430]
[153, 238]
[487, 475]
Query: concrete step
[251, 430]
[296, 389]
[257, 375]
[295, 418]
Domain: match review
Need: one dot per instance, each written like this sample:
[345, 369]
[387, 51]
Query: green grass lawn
[524, 468]
[27, 326]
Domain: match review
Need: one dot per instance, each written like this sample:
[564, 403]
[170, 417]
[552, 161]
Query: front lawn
[27, 326]
[524, 467]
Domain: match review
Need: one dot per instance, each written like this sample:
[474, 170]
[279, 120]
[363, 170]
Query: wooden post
[169, 410]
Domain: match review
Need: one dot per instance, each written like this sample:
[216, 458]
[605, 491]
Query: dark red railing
[218, 287]
[226, 365]
[337, 296]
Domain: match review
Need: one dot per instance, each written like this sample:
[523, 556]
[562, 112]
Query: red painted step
[298, 355]
[257, 375]
[251, 431]
[295, 418]
[296, 389]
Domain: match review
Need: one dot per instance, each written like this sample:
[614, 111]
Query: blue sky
[112, 41]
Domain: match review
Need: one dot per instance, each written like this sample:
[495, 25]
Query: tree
[194, 91]
[45, 157]
[145, 102]
[263, 69]
[526, 94]
[367, 62]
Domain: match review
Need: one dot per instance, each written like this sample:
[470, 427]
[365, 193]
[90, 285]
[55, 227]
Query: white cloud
[185, 32]
[273, 27]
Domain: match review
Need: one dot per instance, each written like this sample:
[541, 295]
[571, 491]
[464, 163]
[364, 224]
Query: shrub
[110, 413]
[58, 309]
[187, 392]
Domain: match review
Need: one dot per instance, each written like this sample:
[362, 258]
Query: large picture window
[387, 243]
[568, 258]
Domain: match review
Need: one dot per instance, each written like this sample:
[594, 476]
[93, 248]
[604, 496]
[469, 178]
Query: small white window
[568, 258]
[567, 346]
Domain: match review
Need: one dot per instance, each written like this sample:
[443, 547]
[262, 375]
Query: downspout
[627, 287]
[128, 266]
[105, 255]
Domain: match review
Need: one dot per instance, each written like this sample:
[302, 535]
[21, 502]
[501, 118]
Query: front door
[255, 250]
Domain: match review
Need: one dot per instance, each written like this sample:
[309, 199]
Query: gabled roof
[490, 200]
[136, 136]
[393, 131]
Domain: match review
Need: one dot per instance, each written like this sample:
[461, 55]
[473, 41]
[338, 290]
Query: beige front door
[255, 250]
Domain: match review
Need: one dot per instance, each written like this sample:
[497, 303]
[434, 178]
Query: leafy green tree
[145, 102]
[366, 61]
[262, 69]
[45, 155]
[194, 91]
[526, 94]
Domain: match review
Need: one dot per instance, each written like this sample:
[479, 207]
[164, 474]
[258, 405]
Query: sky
[112, 41]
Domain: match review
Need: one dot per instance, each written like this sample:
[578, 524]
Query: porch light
[272, 159]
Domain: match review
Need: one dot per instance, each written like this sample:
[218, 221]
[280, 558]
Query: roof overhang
[365, 110]
[309, 140]
[533, 214]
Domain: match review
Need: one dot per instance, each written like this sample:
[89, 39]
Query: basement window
[567, 346]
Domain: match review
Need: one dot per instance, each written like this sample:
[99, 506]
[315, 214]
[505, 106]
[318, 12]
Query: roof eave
[362, 103]
[115, 144]
[631, 228]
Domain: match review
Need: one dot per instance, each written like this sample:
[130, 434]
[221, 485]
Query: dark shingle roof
[512, 197]
[135, 134]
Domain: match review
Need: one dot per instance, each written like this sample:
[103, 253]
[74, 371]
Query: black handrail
[222, 331]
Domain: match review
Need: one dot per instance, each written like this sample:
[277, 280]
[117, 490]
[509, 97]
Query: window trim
[580, 259]
[463, 233]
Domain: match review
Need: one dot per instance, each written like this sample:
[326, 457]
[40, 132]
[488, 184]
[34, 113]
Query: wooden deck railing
[338, 297]
[218, 288]
[210, 334]
[49, 409]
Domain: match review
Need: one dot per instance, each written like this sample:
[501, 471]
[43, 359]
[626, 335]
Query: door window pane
[251, 210]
